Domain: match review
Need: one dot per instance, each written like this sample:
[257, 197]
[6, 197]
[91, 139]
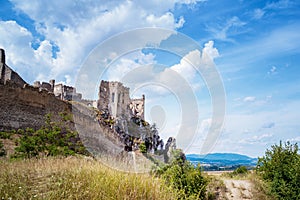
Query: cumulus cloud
[140, 68]
[75, 28]
[127, 64]
[29, 63]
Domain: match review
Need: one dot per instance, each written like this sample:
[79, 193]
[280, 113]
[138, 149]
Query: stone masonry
[114, 98]
[7, 74]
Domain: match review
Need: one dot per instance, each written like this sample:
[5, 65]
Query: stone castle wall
[27, 106]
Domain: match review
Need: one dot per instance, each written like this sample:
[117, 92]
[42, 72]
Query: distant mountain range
[216, 161]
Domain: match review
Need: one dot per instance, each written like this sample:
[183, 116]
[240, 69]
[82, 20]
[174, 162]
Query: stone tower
[2, 66]
[114, 98]
[7, 74]
[2, 56]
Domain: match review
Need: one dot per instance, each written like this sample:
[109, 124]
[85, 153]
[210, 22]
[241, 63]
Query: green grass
[75, 178]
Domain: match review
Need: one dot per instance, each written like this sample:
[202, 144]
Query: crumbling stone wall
[137, 107]
[114, 98]
[7, 74]
[23, 107]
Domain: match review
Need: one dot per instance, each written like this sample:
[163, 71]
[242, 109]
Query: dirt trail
[238, 189]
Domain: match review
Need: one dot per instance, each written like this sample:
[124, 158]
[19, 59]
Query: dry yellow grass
[75, 178]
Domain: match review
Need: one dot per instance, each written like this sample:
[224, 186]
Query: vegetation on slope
[55, 138]
[280, 169]
[75, 178]
[186, 179]
[38, 174]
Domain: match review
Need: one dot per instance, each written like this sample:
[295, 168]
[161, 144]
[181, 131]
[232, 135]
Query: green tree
[280, 167]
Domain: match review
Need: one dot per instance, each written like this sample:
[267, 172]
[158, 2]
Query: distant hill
[215, 161]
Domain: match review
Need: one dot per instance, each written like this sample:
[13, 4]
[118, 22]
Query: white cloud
[77, 27]
[139, 68]
[187, 64]
[68, 79]
[165, 20]
[258, 13]
[256, 139]
[249, 99]
[223, 30]
[209, 53]
[29, 63]
[281, 4]
[122, 68]
[15, 39]
[272, 71]
[295, 139]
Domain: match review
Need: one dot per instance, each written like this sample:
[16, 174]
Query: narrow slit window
[113, 97]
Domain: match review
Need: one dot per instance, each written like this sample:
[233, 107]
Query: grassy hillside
[75, 178]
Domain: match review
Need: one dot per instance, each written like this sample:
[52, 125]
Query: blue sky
[254, 45]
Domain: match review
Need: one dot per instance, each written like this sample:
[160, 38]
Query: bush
[185, 178]
[280, 167]
[5, 135]
[51, 140]
[143, 148]
[241, 170]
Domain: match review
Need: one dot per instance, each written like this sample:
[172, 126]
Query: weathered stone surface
[114, 98]
[27, 107]
[7, 74]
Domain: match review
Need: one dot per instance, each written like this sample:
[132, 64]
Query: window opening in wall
[113, 97]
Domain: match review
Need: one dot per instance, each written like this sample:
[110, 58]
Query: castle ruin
[114, 98]
[60, 90]
[121, 119]
[7, 74]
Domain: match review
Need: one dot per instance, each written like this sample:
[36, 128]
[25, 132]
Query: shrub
[51, 140]
[5, 135]
[143, 148]
[280, 167]
[241, 170]
[185, 178]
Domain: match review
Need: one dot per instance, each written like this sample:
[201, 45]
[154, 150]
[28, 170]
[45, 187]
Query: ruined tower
[114, 98]
[7, 74]
[2, 66]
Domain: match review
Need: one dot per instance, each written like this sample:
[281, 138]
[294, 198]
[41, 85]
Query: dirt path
[238, 189]
[235, 189]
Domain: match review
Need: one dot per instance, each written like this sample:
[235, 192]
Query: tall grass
[75, 178]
